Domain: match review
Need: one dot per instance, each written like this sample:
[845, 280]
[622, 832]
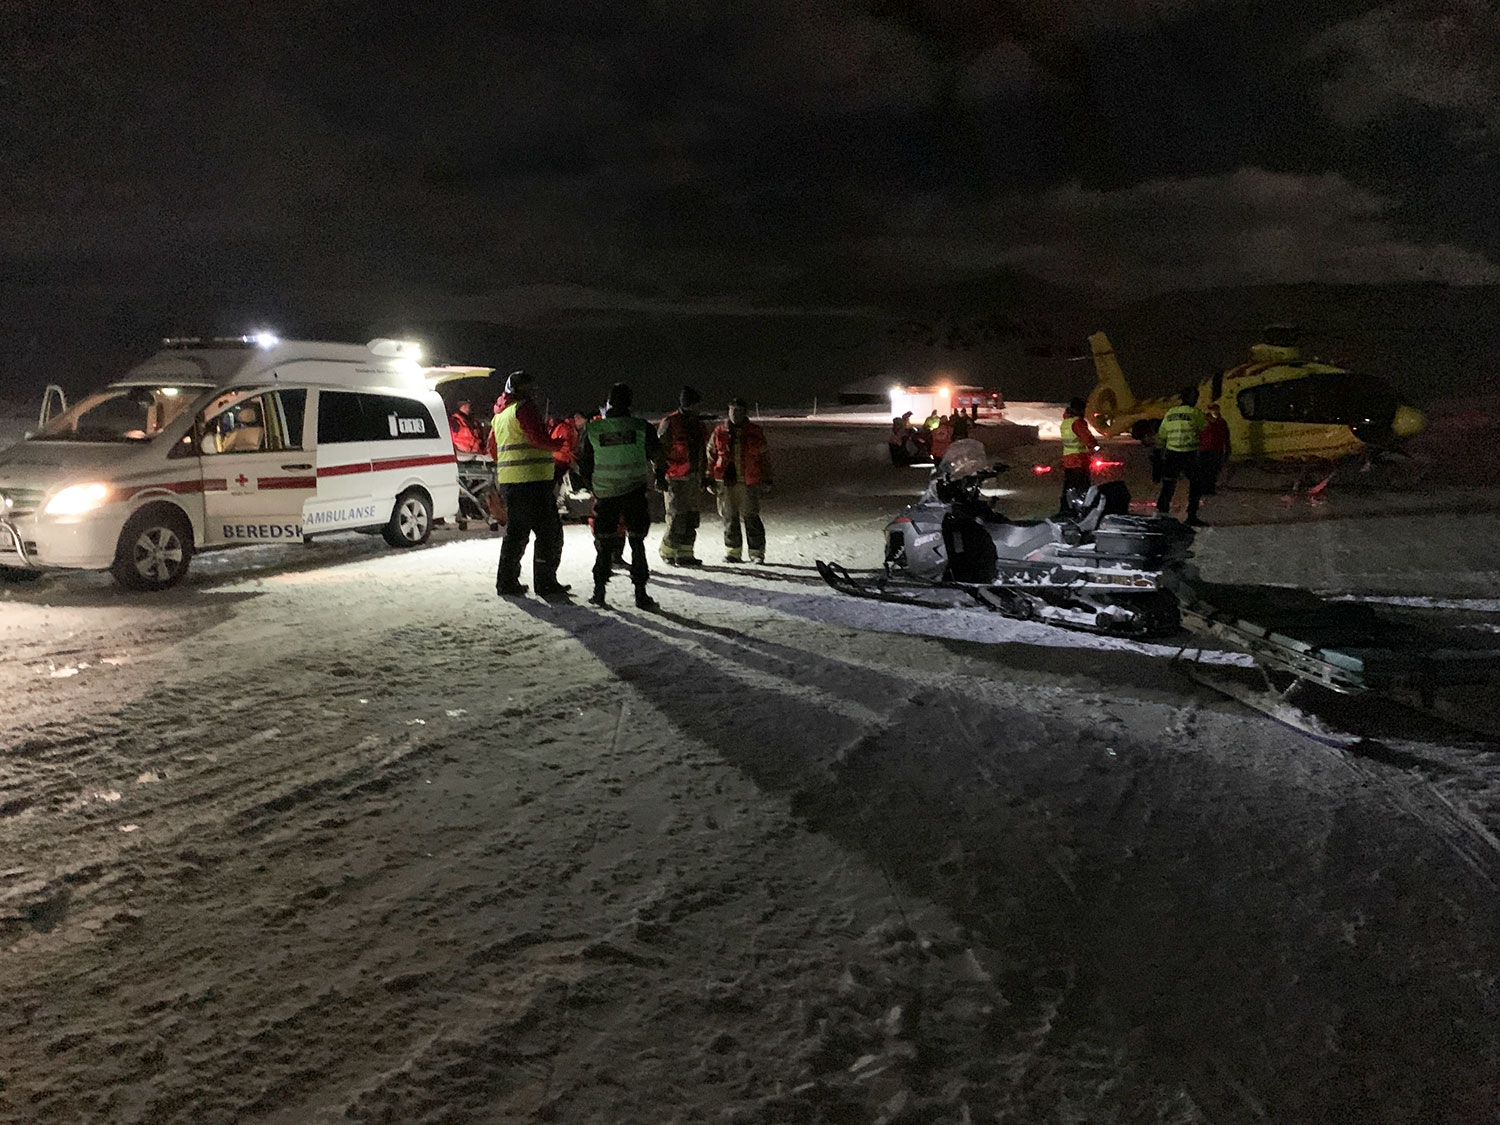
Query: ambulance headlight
[77, 499]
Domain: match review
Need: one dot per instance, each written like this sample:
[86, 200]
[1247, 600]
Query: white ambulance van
[225, 442]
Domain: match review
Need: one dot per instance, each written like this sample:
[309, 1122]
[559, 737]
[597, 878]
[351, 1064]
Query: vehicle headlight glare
[77, 499]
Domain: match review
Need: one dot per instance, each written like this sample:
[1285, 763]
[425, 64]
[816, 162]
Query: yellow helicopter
[1279, 407]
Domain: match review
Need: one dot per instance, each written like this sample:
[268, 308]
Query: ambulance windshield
[121, 414]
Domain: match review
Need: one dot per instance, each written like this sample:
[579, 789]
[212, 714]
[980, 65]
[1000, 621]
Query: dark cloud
[1249, 227]
[684, 153]
[1446, 57]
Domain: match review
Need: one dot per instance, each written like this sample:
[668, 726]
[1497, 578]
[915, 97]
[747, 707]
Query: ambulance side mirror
[187, 445]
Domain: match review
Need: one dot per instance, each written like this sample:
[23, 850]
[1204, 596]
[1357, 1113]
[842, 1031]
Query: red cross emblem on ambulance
[242, 484]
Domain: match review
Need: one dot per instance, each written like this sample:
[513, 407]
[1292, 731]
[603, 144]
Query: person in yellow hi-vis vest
[523, 470]
[1079, 446]
[1178, 441]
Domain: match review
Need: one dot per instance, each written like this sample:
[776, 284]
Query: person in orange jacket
[565, 457]
[464, 427]
[741, 472]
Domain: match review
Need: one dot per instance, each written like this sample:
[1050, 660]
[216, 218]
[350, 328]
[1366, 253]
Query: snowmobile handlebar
[976, 479]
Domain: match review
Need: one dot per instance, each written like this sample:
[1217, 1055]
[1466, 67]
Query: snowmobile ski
[844, 582]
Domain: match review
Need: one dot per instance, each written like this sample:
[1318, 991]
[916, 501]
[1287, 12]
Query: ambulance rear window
[346, 416]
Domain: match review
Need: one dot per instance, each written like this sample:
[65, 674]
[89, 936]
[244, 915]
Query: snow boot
[644, 600]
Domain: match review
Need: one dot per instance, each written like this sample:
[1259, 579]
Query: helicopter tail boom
[1111, 401]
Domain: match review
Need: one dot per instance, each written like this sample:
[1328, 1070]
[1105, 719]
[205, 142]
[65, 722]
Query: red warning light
[1041, 470]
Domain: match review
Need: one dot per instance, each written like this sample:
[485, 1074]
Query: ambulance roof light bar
[254, 340]
[396, 349]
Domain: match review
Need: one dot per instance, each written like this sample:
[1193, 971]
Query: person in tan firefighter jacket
[683, 440]
[617, 458]
[741, 472]
[523, 470]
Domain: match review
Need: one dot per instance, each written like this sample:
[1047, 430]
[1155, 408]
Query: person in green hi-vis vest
[618, 457]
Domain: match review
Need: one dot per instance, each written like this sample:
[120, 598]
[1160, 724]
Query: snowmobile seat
[1108, 498]
[1017, 540]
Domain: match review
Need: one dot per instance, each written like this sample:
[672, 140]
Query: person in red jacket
[465, 429]
[681, 434]
[1213, 450]
[942, 438]
[741, 473]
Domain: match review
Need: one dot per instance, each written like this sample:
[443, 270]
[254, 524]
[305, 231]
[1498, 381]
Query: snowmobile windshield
[964, 458]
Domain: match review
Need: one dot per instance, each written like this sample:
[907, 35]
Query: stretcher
[479, 499]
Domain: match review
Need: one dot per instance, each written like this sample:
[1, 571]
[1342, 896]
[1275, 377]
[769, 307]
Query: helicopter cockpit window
[120, 414]
[1332, 398]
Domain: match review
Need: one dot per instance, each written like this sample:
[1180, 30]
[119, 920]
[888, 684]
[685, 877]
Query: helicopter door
[1247, 404]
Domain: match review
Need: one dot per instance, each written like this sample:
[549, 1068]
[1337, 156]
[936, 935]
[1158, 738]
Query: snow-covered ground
[334, 834]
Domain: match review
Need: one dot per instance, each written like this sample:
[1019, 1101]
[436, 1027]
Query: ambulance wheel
[154, 549]
[411, 520]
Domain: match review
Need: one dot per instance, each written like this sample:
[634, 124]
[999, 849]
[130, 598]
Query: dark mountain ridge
[1430, 341]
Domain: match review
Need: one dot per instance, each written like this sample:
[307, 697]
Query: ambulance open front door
[256, 473]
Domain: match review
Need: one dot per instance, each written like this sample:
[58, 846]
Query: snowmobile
[1094, 567]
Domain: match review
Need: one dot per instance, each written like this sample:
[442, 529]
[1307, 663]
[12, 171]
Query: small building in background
[946, 398]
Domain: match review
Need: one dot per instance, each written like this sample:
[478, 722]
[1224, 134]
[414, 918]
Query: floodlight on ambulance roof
[396, 349]
[264, 339]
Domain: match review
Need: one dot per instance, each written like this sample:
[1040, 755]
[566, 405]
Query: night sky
[493, 162]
